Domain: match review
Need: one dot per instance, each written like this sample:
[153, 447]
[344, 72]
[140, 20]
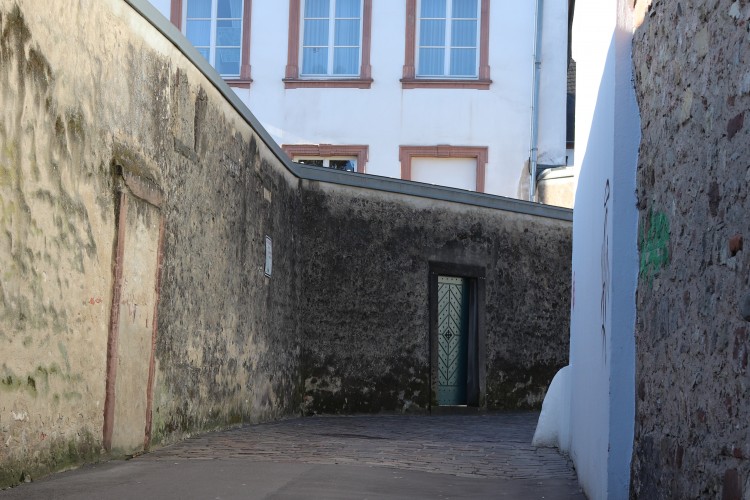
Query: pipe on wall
[534, 148]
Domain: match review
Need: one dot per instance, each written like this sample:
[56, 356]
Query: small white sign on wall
[269, 256]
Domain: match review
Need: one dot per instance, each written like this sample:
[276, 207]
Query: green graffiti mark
[654, 245]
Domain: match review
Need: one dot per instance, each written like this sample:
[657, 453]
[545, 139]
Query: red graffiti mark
[97, 300]
[44, 436]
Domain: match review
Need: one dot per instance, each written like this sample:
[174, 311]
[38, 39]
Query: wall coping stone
[311, 173]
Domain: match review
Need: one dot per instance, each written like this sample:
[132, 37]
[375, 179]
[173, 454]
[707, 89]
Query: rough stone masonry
[692, 432]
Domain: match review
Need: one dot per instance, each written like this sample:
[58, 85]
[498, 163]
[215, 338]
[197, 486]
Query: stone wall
[136, 196]
[128, 104]
[692, 431]
[365, 298]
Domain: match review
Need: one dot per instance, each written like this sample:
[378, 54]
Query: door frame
[129, 184]
[476, 367]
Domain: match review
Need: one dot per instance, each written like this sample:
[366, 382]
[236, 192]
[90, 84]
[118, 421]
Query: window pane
[199, 32]
[347, 32]
[316, 32]
[347, 165]
[464, 8]
[432, 8]
[432, 33]
[228, 62]
[431, 62]
[464, 34]
[199, 8]
[463, 62]
[346, 61]
[229, 33]
[316, 8]
[230, 8]
[205, 52]
[315, 61]
[347, 8]
[317, 163]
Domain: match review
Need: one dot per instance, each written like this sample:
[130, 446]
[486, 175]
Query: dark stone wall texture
[692, 439]
[365, 298]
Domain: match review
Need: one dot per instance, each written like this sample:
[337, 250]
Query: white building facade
[438, 91]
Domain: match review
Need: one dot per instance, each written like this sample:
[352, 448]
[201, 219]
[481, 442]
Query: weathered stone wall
[77, 107]
[692, 431]
[365, 297]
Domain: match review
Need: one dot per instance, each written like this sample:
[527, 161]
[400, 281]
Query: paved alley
[367, 457]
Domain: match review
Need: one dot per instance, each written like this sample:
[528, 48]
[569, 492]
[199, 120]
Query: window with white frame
[331, 38]
[215, 28]
[448, 39]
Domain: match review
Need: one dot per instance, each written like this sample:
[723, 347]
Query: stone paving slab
[450, 456]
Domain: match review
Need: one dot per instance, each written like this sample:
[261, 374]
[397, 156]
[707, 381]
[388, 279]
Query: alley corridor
[374, 457]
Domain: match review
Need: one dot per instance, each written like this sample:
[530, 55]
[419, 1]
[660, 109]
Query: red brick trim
[329, 150]
[350, 83]
[435, 83]
[291, 75]
[244, 80]
[409, 79]
[175, 14]
[406, 153]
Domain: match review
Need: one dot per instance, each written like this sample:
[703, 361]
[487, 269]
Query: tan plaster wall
[88, 89]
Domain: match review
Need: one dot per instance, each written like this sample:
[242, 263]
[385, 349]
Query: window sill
[239, 82]
[344, 83]
[444, 83]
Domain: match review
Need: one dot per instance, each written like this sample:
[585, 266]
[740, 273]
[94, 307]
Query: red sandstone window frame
[292, 79]
[410, 80]
[479, 153]
[244, 80]
[361, 152]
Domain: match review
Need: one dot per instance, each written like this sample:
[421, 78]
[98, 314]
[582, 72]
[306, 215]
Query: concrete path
[363, 457]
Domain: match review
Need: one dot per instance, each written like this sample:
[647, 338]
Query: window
[329, 44]
[447, 44]
[331, 37]
[448, 37]
[220, 30]
[445, 169]
[349, 158]
[345, 164]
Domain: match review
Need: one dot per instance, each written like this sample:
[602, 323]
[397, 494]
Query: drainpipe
[534, 148]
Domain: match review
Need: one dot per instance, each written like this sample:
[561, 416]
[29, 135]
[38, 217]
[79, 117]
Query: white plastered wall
[602, 348]
[386, 116]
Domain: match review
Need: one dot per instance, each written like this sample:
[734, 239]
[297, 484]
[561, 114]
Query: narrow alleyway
[476, 456]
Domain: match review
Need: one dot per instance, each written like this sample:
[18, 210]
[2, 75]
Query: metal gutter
[309, 173]
[534, 148]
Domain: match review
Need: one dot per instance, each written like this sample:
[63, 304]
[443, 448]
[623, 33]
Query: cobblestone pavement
[489, 445]
[363, 457]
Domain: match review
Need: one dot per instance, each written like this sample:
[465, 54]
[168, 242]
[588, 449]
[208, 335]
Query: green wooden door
[453, 306]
